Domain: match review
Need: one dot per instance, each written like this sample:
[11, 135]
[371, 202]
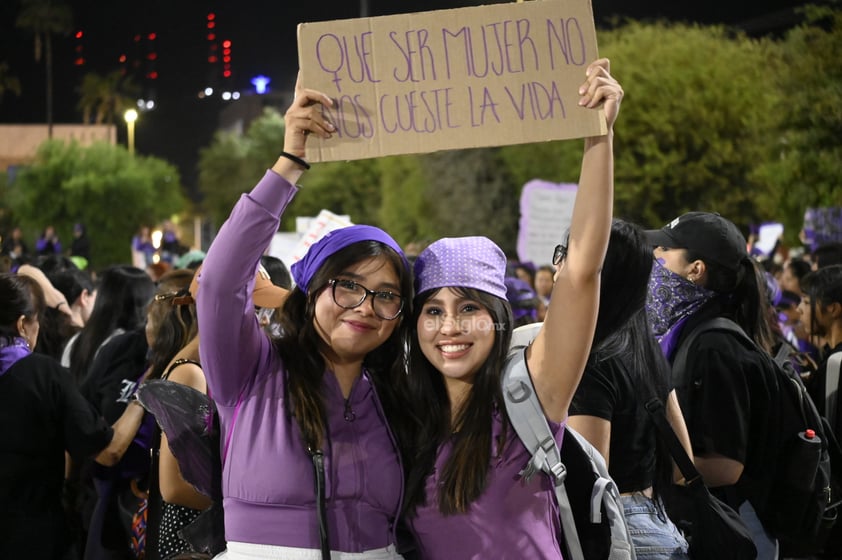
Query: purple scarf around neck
[17, 349]
[672, 299]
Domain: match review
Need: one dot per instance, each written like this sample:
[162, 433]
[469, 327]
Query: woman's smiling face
[456, 334]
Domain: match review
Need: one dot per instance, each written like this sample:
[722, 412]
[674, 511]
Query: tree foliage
[8, 82]
[696, 120]
[104, 99]
[472, 194]
[232, 164]
[805, 167]
[101, 186]
[45, 18]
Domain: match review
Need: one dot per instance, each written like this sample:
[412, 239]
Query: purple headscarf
[304, 270]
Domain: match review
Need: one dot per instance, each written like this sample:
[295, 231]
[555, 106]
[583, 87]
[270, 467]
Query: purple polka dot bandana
[463, 262]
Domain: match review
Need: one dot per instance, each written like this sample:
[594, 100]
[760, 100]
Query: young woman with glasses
[465, 496]
[311, 422]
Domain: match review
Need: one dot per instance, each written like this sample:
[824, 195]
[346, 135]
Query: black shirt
[606, 391]
[730, 408]
[42, 414]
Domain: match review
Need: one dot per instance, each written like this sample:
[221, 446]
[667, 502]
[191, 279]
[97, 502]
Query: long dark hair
[301, 347]
[175, 322]
[623, 334]
[121, 302]
[624, 279]
[743, 296]
[466, 472]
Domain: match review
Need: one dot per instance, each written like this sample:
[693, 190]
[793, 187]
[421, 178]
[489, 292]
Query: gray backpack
[592, 520]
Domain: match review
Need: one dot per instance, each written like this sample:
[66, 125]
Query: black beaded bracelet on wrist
[296, 159]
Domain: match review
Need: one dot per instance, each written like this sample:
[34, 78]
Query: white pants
[247, 551]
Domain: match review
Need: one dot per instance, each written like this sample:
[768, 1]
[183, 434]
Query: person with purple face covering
[466, 499]
[311, 422]
[727, 393]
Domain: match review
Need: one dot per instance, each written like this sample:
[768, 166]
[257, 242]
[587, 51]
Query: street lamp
[131, 117]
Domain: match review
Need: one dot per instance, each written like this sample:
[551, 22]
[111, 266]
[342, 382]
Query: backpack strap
[528, 420]
[831, 387]
[784, 352]
[679, 364]
[657, 413]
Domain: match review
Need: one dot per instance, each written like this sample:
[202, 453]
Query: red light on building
[152, 56]
[79, 61]
[211, 25]
[226, 59]
[152, 75]
[151, 36]
[226, 44]
[212, 59]
[211, 16]
[226, 74]
[122, 59]
[78, 34]
[211, 37]
[137, 38]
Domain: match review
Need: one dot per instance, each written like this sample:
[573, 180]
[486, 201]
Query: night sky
[263, 35]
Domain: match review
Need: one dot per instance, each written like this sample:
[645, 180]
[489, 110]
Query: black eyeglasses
[348, 294]
[559, 254]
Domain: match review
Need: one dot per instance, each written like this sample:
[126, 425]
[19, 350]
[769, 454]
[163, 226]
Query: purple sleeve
[233, 348]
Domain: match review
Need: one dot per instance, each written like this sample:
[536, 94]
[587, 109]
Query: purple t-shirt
[267, 479]
[511, 520]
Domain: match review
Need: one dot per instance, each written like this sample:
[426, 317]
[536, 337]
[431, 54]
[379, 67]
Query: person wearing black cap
[726, 391]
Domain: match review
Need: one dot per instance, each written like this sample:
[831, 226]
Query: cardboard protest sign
[546, 210]
[470, 77]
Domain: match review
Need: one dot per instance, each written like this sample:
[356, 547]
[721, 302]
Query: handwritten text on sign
[483, 76]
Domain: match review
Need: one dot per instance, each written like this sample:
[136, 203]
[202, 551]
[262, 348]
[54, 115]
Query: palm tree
[105, 97]
[45, 18]
[7, 81]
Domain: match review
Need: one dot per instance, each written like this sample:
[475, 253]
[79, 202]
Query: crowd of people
[350, 407]
[154, 256]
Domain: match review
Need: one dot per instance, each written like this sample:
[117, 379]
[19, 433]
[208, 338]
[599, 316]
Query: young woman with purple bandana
[727, 395]
[317, 412]
[465, 498]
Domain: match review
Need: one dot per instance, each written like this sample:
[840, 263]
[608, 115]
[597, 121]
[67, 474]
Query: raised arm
[52, 297]
[558, 355]
[234, 349]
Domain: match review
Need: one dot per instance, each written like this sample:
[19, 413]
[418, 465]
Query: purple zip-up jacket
[267, 480]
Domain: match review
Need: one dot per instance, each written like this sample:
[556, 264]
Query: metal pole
[130, 125]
